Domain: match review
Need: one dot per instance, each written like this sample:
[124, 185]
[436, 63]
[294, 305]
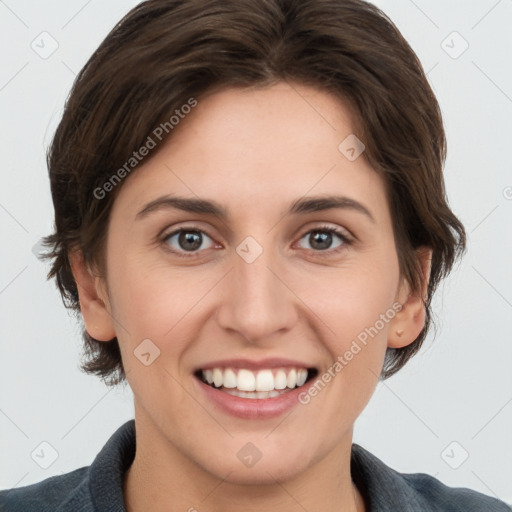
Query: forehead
[254, 148]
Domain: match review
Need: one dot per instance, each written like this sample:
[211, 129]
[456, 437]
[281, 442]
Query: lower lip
[252, 408]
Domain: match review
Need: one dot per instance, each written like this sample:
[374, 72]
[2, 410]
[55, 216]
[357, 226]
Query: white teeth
[292, 379]
[245, 380]
[264, 380]
[260, 383]
[257, 394]
[302, 375]
[229, 379]
[280, 380]
[217, 377]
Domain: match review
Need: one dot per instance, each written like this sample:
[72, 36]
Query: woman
[251, 218]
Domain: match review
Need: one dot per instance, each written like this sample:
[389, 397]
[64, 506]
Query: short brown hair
[163, 52]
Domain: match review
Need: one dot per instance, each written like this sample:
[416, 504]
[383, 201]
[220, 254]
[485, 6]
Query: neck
[162, 479]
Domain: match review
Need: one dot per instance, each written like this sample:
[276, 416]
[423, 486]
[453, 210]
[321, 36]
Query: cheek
[156, 302]
[357, 308]
[358, 317]
[353, 302]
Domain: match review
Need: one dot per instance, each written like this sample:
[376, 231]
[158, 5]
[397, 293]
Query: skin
[254, 151]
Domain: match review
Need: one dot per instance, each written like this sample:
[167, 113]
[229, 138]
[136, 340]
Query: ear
[410, 320]
[93, 299]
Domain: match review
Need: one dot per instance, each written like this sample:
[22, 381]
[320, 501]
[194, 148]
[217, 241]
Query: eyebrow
[301, 206]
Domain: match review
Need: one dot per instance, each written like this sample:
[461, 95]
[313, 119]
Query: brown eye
[186, 240]
[322, 239]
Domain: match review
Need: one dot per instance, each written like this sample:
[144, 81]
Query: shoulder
[450, 499]
[95, 487]
[386, 489]
[47, 495]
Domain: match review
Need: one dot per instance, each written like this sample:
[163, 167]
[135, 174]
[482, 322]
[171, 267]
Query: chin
[240, 469]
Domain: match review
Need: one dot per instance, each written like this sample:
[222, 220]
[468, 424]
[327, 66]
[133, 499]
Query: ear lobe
[410, 320]
[93, 299]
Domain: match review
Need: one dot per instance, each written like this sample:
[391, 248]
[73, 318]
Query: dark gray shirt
[99, 487]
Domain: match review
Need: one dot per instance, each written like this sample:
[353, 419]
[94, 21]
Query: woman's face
[258, 293]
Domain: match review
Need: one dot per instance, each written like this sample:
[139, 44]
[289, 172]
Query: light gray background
[459, 388]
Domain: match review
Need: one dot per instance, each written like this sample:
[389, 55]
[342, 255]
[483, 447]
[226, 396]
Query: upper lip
[255, 365]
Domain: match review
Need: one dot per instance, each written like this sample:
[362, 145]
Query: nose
[256, 300]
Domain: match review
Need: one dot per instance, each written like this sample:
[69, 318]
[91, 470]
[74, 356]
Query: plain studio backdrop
[448, 413]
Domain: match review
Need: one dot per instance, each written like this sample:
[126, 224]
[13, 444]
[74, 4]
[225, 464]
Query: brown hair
[164, 52]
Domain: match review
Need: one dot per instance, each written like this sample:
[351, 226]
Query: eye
[321, 239]
[188, 239]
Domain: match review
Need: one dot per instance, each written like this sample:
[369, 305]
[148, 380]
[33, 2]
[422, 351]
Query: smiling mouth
[261, 384]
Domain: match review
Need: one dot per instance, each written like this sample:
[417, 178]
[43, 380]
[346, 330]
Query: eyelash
[322, 229]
